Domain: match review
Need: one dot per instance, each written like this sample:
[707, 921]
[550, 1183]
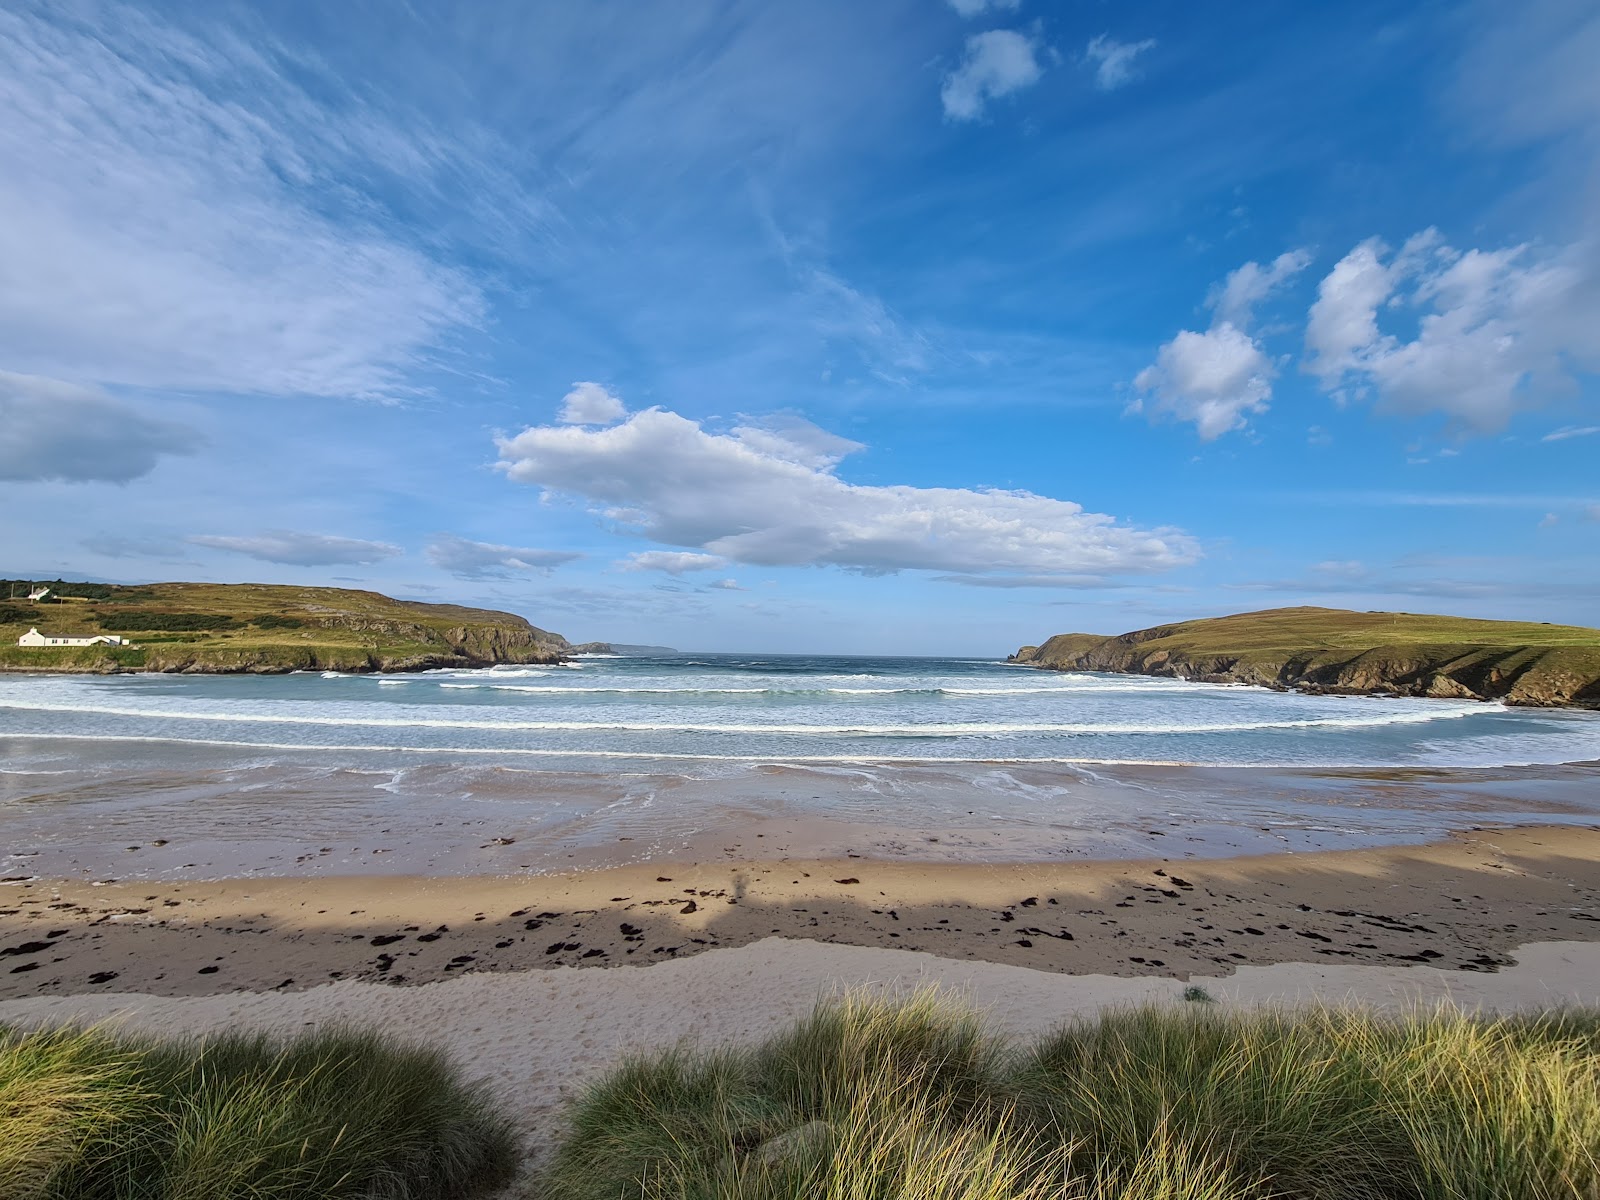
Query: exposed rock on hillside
[1337, 651]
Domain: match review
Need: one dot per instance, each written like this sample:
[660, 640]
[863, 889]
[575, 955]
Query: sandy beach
[536, 1037]
[1460, 904]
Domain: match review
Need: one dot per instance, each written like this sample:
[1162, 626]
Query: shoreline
[1462, 902]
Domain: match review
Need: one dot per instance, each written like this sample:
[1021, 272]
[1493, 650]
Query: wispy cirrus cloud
[167, 220]
[1570, 431]
[1114, 61]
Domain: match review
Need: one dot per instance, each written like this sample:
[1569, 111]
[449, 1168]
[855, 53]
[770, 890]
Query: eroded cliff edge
[1352, 653]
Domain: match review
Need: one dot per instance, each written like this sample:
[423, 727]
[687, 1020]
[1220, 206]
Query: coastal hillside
[1338, 651]
[207, 628]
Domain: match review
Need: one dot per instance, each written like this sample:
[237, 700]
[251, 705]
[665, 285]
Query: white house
[34, 638]
[38, 593]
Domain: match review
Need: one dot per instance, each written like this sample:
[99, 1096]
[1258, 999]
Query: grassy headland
[262, 628]
[1339, 651]
[919, 1101]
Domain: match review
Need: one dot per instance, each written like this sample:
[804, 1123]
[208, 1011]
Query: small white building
[34, 638]
[38, 593]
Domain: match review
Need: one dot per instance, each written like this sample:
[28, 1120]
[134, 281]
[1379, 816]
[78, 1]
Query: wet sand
[169, 812]
[1461, 904]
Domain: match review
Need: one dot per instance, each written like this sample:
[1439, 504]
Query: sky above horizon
[905, 326]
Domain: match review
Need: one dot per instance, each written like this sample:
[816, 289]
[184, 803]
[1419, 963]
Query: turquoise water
[630, 759]
[740, 708]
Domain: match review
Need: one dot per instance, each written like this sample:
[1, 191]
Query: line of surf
[930, 729]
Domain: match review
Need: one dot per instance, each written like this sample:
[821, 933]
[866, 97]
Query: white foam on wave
[930, 729]
[643, 756]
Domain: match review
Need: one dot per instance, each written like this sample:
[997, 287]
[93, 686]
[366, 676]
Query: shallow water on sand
[615, 759]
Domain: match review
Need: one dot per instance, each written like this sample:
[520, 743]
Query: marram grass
[868, 1100]
[88, 1115]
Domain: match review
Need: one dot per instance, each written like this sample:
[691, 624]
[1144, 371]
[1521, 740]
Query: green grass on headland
[1334, 650]
[216, 627]
[87, 1115]
[918, 1102]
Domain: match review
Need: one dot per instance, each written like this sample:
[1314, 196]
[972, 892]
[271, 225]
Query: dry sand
[1461, 904]
[537, 1036]
[1506, 918]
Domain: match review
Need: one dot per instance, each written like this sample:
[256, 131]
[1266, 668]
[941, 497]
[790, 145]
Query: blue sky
[910, 327]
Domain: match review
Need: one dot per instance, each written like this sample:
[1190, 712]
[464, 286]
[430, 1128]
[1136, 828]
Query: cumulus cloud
[728, 585]
[1496, 331]
[1213, 379]
[55, 430]
[1234, 300]
[1114, 60]
[973, 8]
[165, 219]
[673, 562]
[1219, 377]
[301, 549]
[994, 64]
[769, 496]
[487, 560]
[590, 404]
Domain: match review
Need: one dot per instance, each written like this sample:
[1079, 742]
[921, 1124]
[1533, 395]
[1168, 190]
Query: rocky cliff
[1337, 651]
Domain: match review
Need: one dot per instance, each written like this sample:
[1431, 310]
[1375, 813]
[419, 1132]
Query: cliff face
[1331, 651]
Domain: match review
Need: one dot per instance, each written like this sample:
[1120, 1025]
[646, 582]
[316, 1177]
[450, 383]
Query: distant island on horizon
[1339, 651]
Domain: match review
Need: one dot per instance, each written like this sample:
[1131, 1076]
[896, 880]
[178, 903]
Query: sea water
[727, 707]
[937, 756]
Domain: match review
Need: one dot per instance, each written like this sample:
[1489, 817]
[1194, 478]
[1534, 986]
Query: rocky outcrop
[1333, 658]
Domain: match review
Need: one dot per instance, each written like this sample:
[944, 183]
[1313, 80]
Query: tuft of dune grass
[61, 1093]
[329, 1115]
[867, 1099]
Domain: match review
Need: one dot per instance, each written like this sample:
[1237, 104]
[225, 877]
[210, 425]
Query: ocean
[938, 757]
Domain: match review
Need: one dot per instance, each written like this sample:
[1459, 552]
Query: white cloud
[728, 585]
[301, 549]
[1213, 379]
[486, 560]
[1570, 431]
[995, 64]
[55, 430]
[1527, 74]
[973, 8]
[166, 217]
[1114, 60]
[1218, 377]
[1235, 299]
[673, 562]
[1496, 331]
[768, 497]
[590, 404]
